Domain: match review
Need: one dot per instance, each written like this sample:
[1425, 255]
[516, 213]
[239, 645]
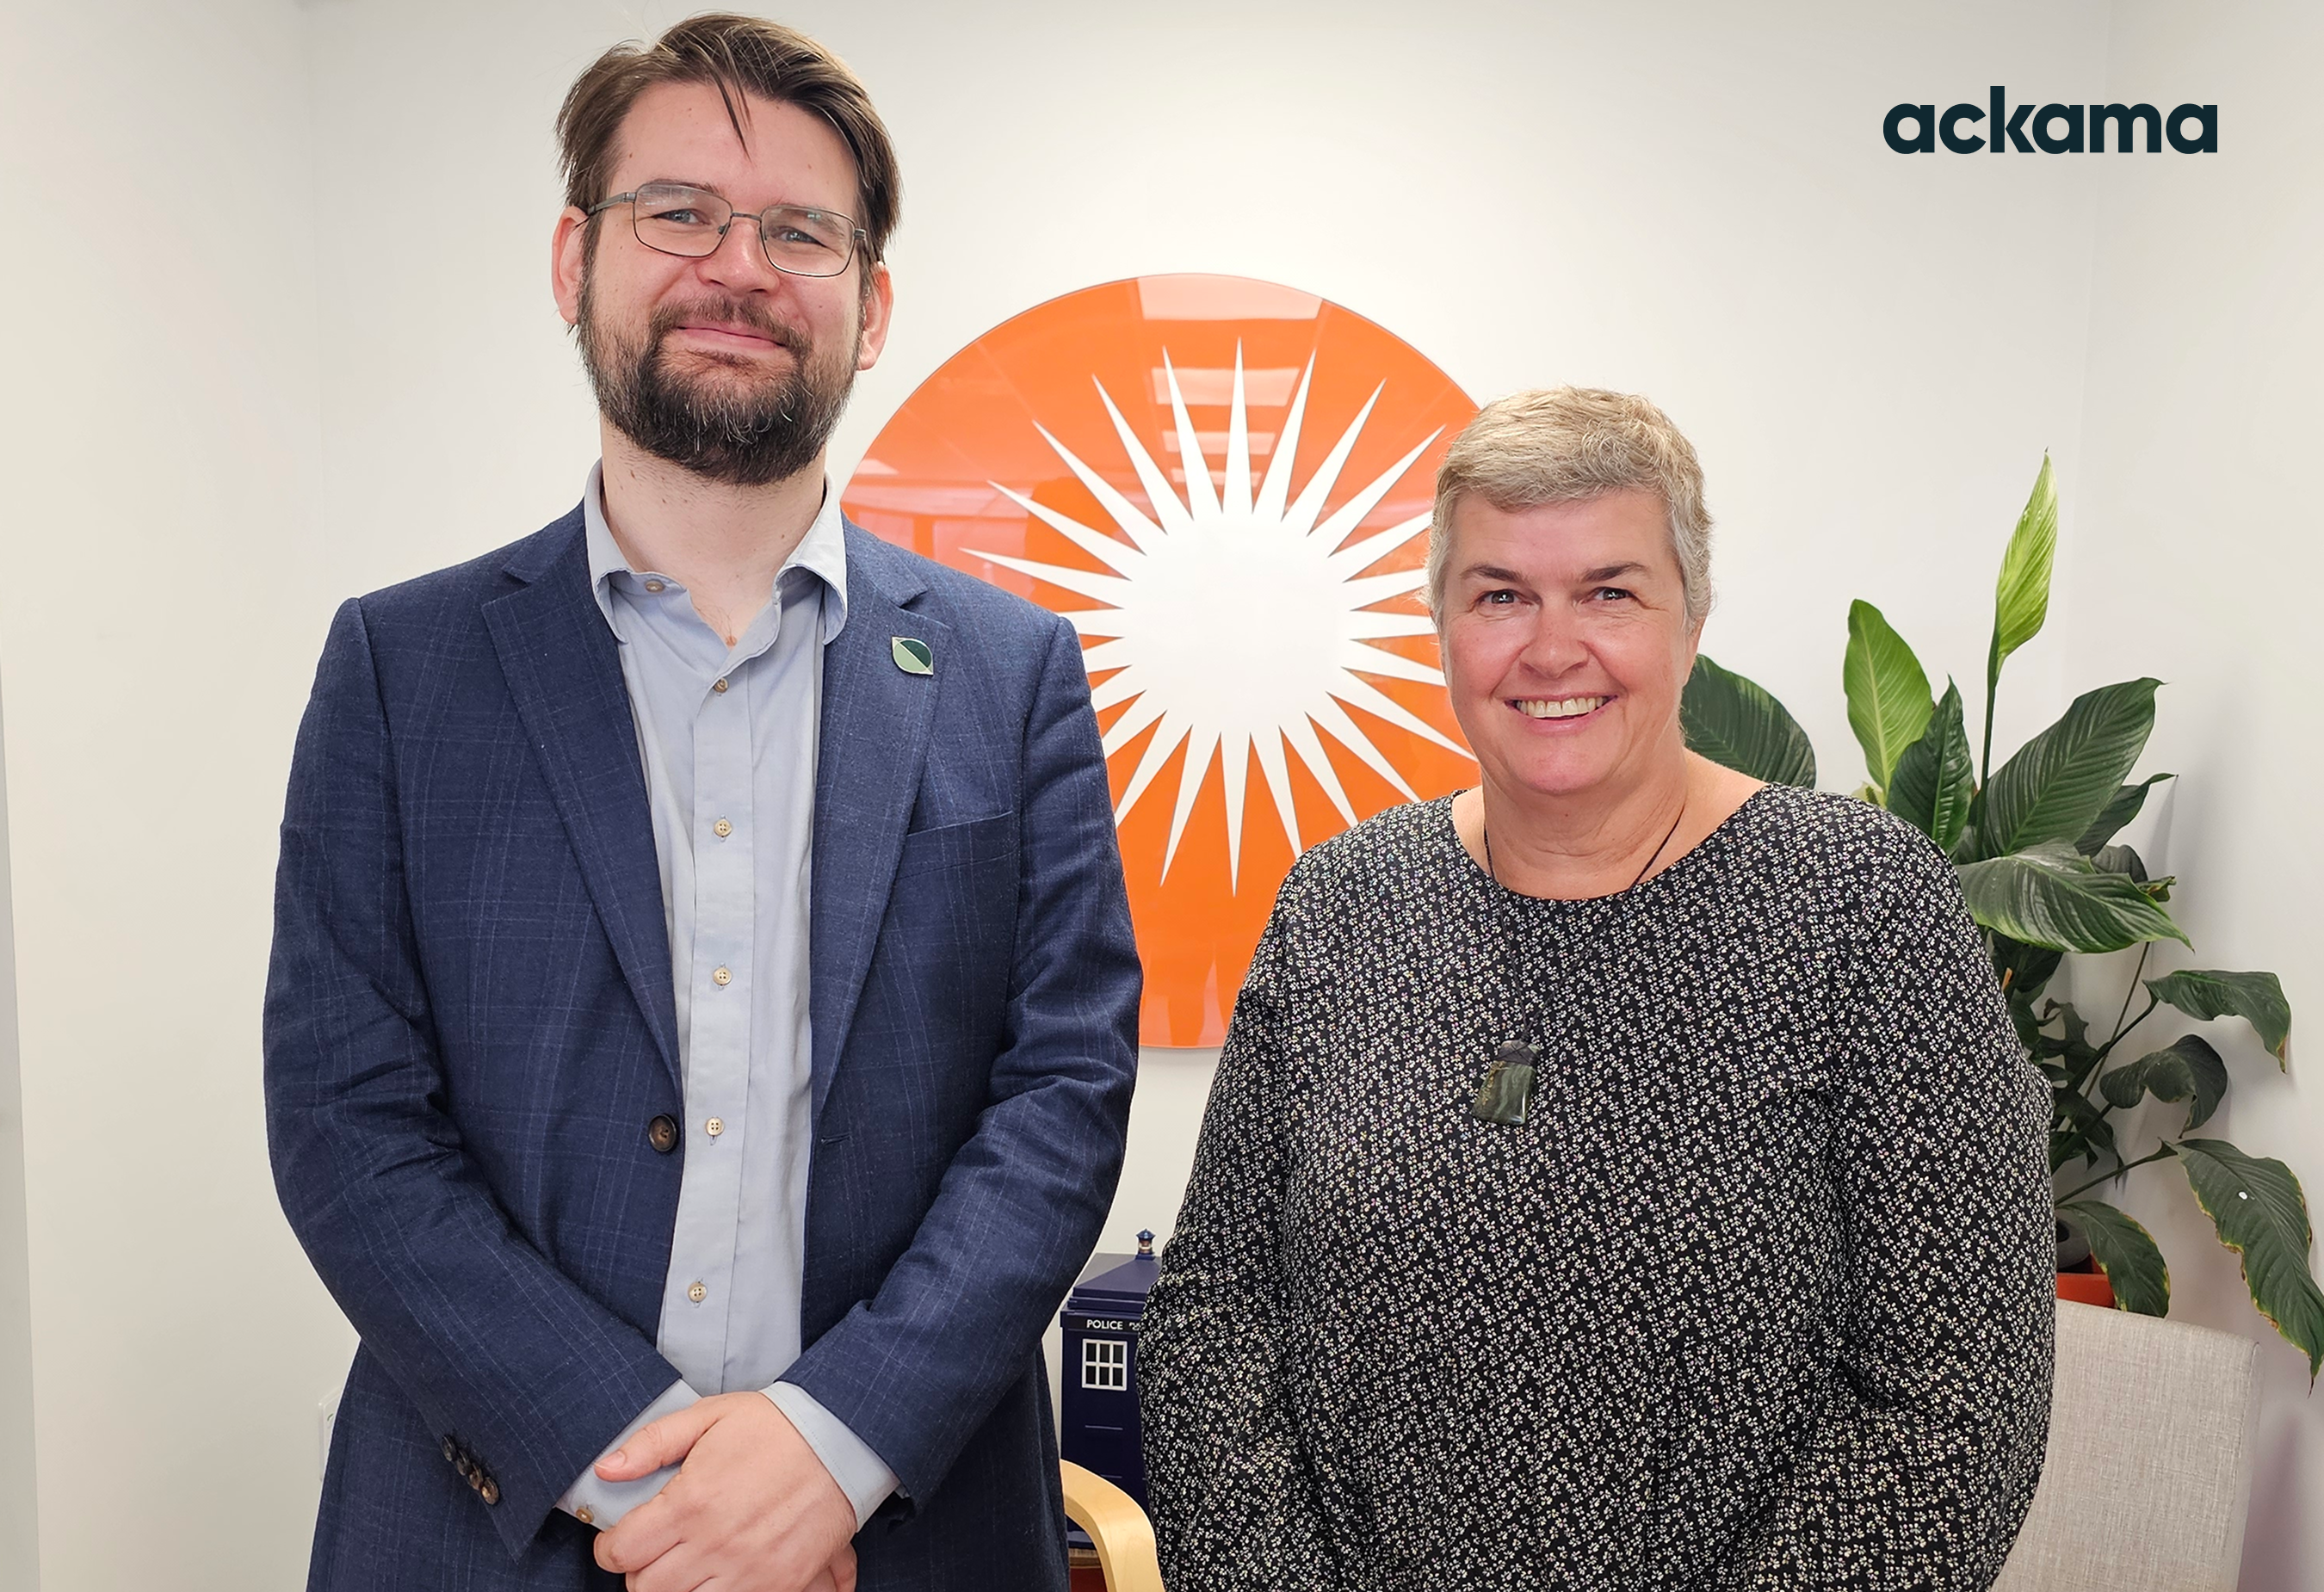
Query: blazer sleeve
[1236, 1505]
[915, 1370]
[1918, 1469]
[505, 1357]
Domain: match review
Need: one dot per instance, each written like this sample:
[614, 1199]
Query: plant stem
[2107, 1048]
[2109, 1176]
[2136, 973]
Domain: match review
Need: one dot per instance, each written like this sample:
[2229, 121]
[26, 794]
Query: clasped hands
[751, 1509]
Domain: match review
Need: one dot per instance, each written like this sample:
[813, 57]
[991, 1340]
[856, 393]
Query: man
[701, 1024]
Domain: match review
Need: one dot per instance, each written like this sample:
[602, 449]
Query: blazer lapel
[874, 737]
[564, 668]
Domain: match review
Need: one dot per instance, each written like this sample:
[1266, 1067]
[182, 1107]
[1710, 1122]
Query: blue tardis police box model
[1098, 1420]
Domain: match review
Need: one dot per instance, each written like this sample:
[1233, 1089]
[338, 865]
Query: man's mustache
[737, 315]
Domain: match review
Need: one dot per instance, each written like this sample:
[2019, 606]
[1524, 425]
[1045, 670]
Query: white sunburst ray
[1300, 735]
[1368, 589]
[1202, 496]
[1201, 746]
[1357, 692]
[1237, 503]
[1170, 728]
[1234, 772]
[1276, 488]
[1334, 721]
[1371, 624]
[1276, 774]
[1144, 531]
[1348, 516]
[1358, 658]
[1084, 583]
[1308, 507]
[1117, 555]
[1357, 557]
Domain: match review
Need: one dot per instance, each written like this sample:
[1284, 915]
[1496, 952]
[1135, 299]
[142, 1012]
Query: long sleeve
[503, 1353]
[914, 1370]
[1234, 1502]
[1920, 1463]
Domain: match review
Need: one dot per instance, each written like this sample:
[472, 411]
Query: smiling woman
[1536, 1235]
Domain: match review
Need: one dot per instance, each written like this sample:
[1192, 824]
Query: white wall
[2198, 561]
[20, 1522]
[157, 434]
[285, 403]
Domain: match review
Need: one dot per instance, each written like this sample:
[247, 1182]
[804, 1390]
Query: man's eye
[1610, 595]
[1502, 598]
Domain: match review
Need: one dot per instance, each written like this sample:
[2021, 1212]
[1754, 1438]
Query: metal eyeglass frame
[757, 218]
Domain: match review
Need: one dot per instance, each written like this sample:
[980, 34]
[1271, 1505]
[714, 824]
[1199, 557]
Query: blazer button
[661, 1133]
[451, 1451]
[490, 1491]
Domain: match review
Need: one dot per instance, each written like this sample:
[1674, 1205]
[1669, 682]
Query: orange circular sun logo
[1225, 485]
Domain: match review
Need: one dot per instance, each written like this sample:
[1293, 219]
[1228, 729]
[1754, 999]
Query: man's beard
[748, 436]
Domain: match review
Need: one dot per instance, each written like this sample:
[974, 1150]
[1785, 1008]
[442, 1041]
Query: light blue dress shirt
[728, 737]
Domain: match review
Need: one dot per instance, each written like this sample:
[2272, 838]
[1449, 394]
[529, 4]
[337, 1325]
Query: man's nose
[741, 256]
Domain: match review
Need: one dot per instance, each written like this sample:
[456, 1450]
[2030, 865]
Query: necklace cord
[1485, 835]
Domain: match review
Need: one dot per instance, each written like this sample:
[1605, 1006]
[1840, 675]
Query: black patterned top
[1759, 1295]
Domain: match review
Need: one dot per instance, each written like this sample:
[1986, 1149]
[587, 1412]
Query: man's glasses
[692, 222]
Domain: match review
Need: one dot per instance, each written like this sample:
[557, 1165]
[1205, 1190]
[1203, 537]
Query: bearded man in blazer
[701, 1024]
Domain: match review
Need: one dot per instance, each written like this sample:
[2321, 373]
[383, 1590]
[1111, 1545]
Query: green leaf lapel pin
[912, 655]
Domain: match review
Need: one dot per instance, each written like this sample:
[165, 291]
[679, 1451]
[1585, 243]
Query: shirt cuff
[593, 1501]
[861, 1474]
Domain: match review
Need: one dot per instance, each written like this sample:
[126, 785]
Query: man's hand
[751, 1508]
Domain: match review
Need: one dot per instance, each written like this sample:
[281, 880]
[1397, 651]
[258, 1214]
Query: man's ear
[569, 261]
[879, 306]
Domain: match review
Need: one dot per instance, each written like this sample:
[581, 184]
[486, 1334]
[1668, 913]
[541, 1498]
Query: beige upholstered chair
[2150, 1459]
[1117, 1525]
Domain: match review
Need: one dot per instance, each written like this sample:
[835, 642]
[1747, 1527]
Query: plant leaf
[1732, 720]
[1888, 700]
[2126, 1253]
[2119, 860]
[2050, 894]
[2261, 1214]
[1934, 782]
[2116, 812]
[2060, 781]
[2257, 998]
[2188, 1069]
[2021, 597]
[2024, 969]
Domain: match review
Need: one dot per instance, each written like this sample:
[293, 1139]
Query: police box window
[1997, 127]
[1105, 1364]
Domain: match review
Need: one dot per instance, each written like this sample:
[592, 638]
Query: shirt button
[719, 686]
[653, 585]
[721, 976]
[585, 1515]
[714, 1126]
[698, 1293]
[722, 829]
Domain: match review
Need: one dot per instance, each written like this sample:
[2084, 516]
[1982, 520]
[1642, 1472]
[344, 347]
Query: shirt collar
[821, 552]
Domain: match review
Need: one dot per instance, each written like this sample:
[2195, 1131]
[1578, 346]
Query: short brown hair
[1559, 445]
[738, 55]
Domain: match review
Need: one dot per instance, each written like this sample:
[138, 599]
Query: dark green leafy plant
[2033, 845]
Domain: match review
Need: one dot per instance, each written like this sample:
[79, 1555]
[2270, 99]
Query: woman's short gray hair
[1560, 444]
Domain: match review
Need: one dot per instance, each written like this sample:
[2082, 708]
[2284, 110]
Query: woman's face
[1566, 642]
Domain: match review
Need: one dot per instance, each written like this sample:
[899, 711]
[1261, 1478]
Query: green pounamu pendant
[1508, 1088]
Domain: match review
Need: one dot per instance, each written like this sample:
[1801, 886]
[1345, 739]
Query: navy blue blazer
[470, 1026]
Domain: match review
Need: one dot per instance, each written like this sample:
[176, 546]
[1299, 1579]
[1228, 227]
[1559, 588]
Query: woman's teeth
[1564, 707]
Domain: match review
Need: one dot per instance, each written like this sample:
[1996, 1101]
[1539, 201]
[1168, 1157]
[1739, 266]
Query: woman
[1620, 1175]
